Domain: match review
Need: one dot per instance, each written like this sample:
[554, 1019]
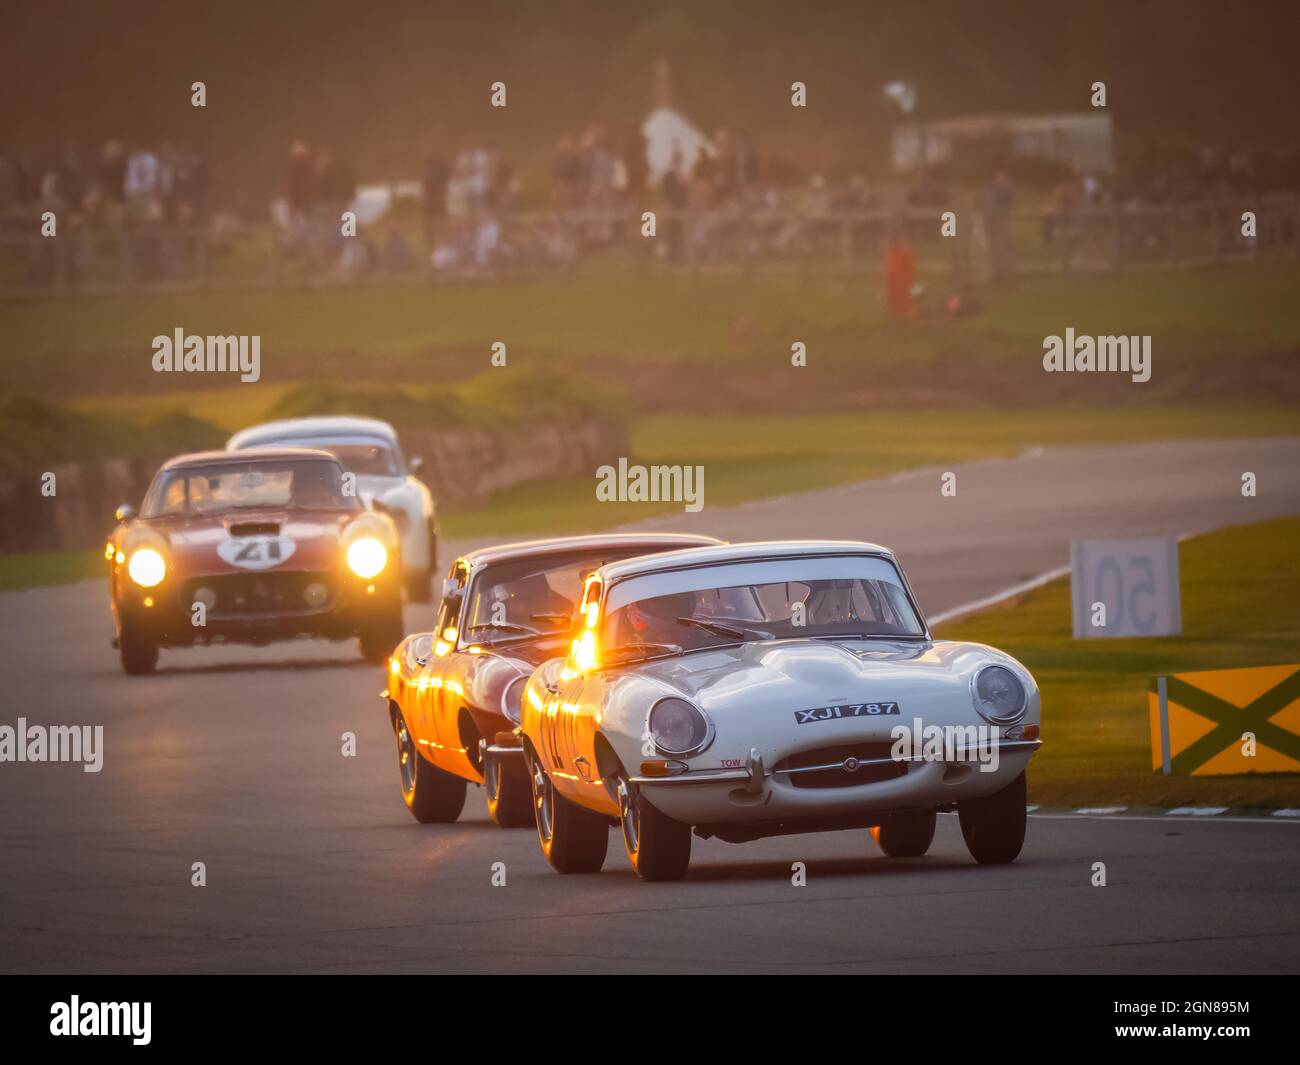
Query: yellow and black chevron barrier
[1202, 723]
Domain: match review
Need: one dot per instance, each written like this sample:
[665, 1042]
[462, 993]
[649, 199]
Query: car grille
[802, 769]
[243, 595]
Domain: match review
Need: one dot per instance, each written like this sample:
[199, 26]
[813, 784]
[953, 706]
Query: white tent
[668, 136]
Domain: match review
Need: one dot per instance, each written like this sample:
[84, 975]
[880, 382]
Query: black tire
[509, 795]
[906, 834]
[434, 796]
[658, 847]
[379, 638]
[994, 826]
[574, 840]
[136, 651]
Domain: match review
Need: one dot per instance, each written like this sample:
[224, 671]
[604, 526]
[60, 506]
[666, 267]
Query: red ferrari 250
[251, 547]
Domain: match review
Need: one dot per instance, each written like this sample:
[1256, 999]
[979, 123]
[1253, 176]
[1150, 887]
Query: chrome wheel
[543, 802]
[406, 756]
[628, 817]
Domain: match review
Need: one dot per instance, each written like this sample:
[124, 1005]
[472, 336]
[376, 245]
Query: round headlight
[147, 567]
[315, 595]
[512, 699]
[999, 695]
[677, 727]
[366, 557]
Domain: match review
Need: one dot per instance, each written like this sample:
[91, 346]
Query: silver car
[385, 480]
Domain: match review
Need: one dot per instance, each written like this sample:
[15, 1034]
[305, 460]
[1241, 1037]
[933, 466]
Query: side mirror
[125, 512]
[415, 465]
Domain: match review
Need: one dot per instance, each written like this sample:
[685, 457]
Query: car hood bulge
[789, 675]
[257, 541]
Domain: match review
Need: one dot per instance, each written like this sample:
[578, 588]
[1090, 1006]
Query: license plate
[833, 713]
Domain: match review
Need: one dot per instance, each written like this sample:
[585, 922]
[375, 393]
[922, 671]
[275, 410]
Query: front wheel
[906, 834]
[432, 795]
[574, 839]
[136, 651]
[509, 796]
[658, 847]
[994, 826]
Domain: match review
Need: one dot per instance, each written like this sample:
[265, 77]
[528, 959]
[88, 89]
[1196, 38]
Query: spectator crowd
[716, 198]
[120, 183]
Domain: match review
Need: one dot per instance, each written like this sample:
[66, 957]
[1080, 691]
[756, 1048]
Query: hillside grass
[657, 317]
[759, 456]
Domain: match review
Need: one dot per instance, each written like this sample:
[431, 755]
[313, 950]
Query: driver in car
[654, 621]
[531, 600]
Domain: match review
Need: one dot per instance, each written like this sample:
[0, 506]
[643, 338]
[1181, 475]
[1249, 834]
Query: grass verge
[1195, 316]
[1241, 607]
[34, 568]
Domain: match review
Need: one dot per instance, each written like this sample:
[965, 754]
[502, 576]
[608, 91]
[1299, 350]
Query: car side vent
[254, 528]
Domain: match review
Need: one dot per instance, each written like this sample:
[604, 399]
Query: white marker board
[1137, 580]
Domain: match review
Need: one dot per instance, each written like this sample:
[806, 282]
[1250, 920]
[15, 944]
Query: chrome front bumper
[754, 773]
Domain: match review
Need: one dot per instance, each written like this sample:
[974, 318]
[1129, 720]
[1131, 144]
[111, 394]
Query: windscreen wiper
[504, 626]
[662, 648]
[731, 632]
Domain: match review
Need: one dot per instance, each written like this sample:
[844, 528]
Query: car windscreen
[526, 596]
[313, 484]
[367, 458]
[849, 595]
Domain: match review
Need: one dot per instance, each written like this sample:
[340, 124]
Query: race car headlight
[512, 699]
[999, 695]
[677, 727]
[367, 557]
[147, 567]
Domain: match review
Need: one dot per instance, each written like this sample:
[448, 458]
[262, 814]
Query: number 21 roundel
[256, 552]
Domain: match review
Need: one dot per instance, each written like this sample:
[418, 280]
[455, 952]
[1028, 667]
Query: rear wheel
[994, 826]
[574, 840]
[906, 834]
[658, 847]
[432, 795]
[509, 796]
[136, 651]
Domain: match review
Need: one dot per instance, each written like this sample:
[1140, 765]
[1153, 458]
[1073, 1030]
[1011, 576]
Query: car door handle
[583, 767]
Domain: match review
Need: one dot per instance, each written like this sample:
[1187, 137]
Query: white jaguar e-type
[751, 690]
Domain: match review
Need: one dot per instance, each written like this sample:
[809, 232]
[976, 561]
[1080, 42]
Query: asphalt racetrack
[231, 756]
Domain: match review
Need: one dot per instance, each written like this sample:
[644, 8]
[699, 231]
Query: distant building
[1081, 140]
